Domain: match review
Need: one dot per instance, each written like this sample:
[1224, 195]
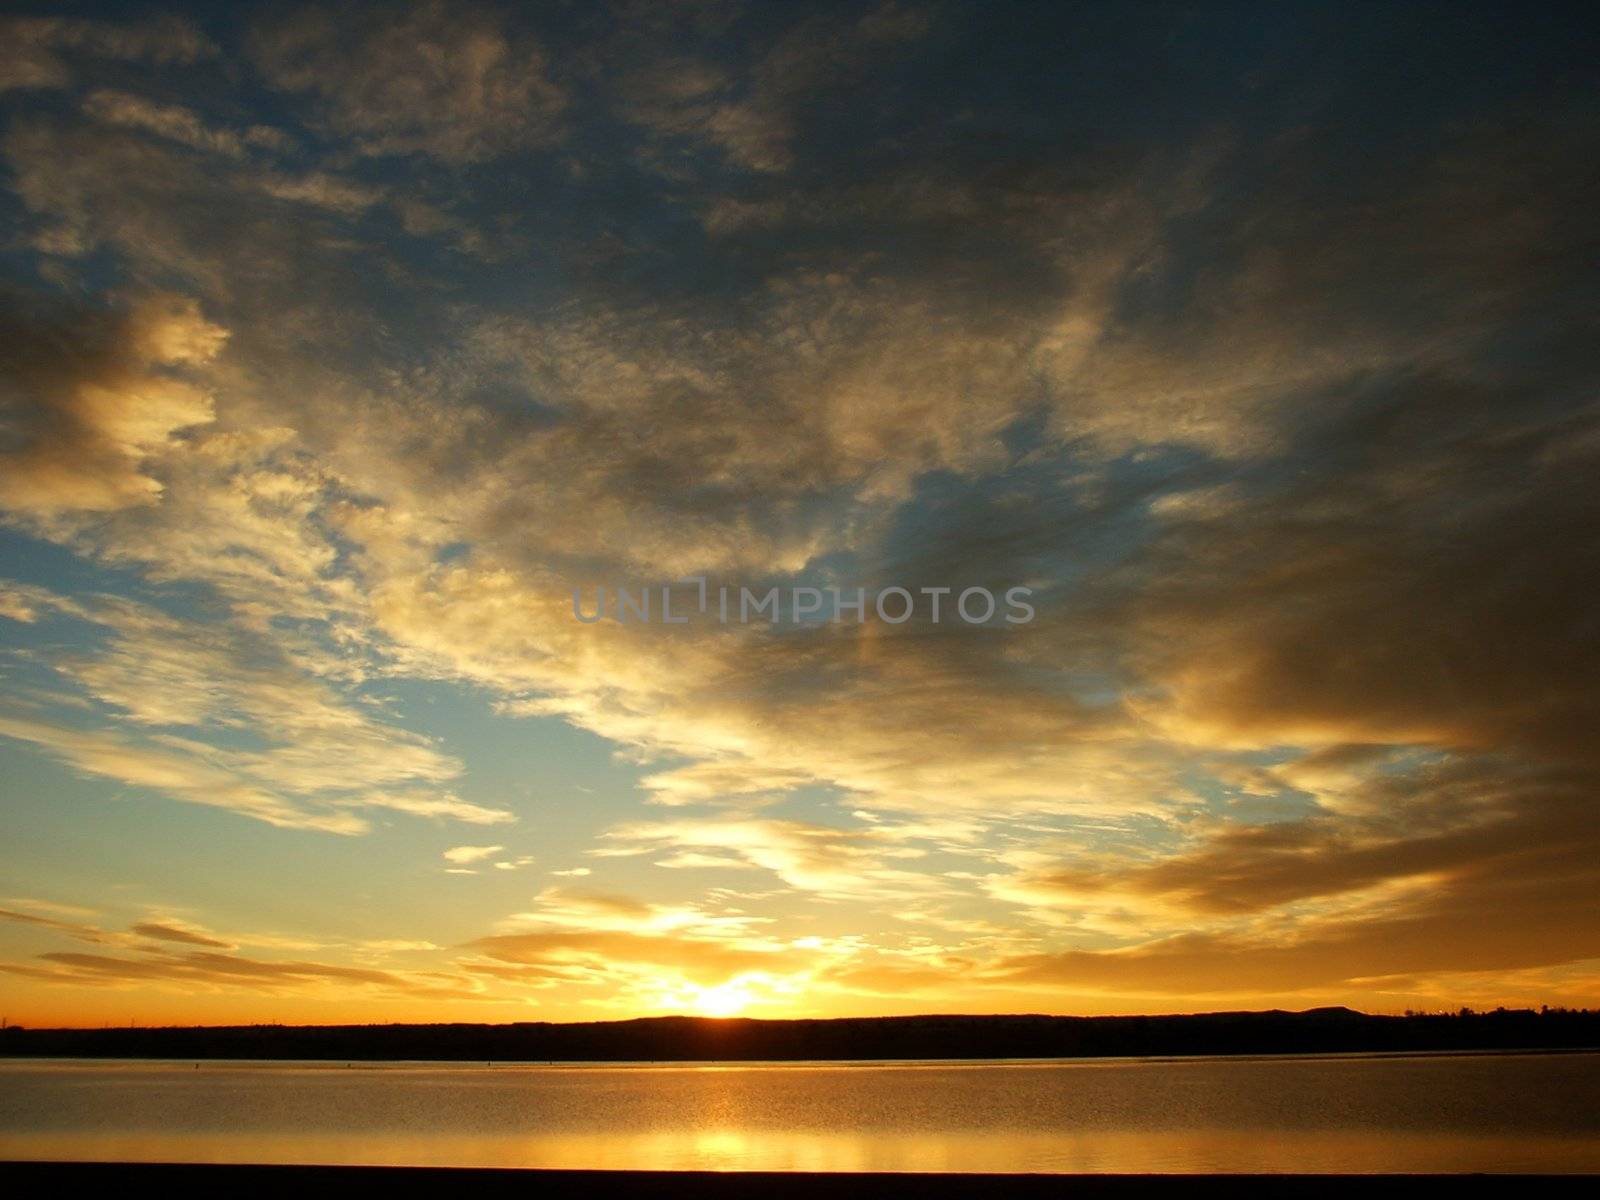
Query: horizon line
[1326, 1009]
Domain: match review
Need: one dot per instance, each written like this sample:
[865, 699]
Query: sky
[339, 348]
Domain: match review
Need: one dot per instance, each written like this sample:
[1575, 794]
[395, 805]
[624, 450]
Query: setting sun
[723, 1000]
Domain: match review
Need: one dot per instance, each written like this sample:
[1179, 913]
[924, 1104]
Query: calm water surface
[1538, 1112]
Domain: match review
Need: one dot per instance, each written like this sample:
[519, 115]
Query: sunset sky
[340, 347]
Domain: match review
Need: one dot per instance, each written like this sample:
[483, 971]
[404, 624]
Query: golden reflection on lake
[1352, 1113]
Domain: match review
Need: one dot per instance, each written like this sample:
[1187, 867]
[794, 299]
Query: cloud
[187, 776]
[37, 49]
[915, 720]
[1498, 924]
[166, 932]
[206, 222]
[182, 690]
[322, 190]
[172, 121]
[54, 923]
[51, 907]
[182, 958]
[637, 951]
[211, 970]
[813, 858]
[1450, 867]
[444, 81]
[462, 856]
[94, 397]
[752, 117]
[1347, 606]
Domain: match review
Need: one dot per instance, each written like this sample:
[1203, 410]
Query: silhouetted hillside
[665, 1039]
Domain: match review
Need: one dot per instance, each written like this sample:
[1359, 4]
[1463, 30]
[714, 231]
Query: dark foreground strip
[33, 1179]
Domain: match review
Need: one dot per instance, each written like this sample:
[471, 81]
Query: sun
[724, 1000]
[730, 998]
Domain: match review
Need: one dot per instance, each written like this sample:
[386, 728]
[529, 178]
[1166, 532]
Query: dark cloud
[73, 929]
[162, 932]
[90, 394]
[443, 80]
[1536, 916]
[212, 970]
[38, 49]
[1419, 575]
[1449, 826]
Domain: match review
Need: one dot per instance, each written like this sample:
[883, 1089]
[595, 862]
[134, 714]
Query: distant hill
[680, 1039]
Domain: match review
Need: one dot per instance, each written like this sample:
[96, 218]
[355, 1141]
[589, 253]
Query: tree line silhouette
[678, 1039]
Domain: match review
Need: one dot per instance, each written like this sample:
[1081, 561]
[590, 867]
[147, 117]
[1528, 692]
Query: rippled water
[1329, 1113]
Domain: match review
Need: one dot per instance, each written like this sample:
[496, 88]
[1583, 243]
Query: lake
[1390, 1113]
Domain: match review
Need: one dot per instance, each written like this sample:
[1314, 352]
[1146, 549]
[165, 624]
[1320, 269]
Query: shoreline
[805, 1063]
